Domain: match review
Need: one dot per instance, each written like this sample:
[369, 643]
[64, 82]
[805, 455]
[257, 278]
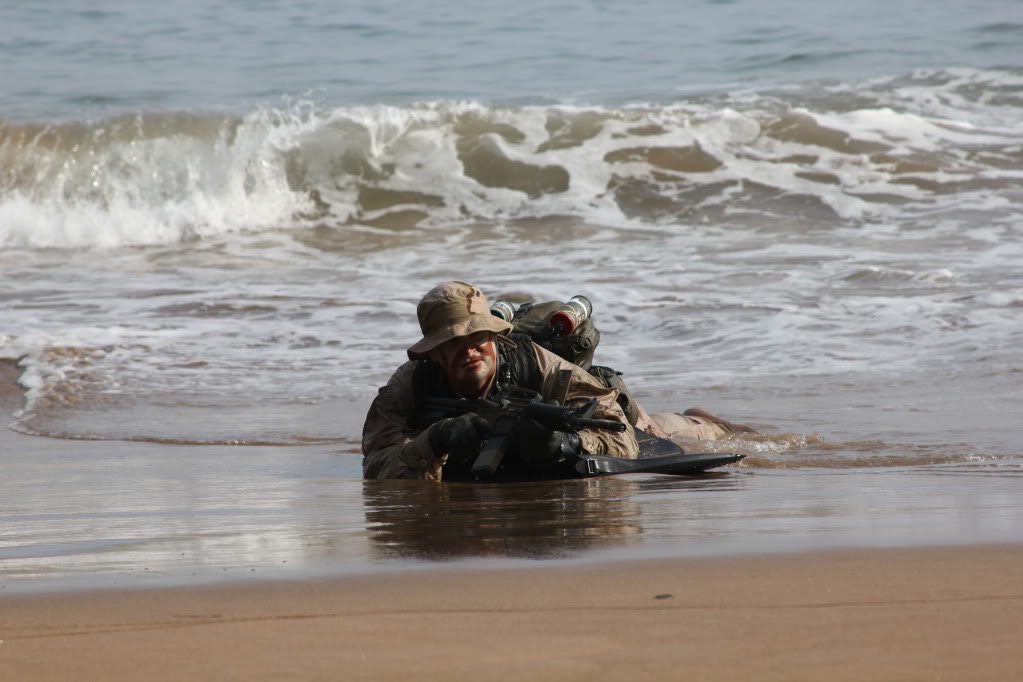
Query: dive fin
[675, 465]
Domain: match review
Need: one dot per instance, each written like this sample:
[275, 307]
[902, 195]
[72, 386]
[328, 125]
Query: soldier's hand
[459, 437]
[539, 445]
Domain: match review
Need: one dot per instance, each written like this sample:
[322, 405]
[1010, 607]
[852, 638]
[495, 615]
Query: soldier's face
[468, 361]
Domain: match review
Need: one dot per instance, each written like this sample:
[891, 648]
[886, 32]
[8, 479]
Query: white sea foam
[106, 191]
[285, 251]
[137, 181]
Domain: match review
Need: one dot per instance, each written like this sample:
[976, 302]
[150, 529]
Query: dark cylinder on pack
[503, 309]
[572, 314]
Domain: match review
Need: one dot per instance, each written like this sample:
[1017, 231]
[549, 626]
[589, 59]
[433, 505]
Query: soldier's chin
[474, 372]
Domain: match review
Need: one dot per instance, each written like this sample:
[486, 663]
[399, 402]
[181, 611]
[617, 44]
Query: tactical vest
[515, 367]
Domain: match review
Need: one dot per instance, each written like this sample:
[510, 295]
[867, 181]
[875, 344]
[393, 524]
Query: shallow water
[137, 514]
[215, 224]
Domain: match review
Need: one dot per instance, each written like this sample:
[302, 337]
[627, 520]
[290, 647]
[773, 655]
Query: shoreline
[907, 614]
[777, 611]
[156, 515]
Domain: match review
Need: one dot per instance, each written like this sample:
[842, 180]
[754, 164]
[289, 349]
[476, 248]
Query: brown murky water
[81, 512]
[104, 514]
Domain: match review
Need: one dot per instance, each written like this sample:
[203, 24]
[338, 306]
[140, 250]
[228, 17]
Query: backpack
[533, 320]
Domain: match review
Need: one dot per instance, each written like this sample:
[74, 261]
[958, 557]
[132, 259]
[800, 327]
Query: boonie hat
[453, 309]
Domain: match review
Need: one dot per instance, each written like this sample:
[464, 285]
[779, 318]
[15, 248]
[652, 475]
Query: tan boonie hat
[454, 309]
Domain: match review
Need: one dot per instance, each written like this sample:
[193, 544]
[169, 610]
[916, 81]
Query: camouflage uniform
[394, 446]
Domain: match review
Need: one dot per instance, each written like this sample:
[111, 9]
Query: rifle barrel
[540, 411]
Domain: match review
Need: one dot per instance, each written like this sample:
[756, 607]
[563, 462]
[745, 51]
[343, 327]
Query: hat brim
[476, 323]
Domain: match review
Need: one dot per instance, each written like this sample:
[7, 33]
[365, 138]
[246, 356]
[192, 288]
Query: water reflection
[550, 519]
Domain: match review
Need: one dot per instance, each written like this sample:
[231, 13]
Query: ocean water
[216, 220]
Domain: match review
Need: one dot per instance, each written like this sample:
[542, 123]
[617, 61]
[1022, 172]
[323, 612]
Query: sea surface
[216, 220]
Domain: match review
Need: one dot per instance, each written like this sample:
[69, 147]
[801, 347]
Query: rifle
[505, 408]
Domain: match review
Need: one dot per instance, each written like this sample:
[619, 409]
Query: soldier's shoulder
[550, 359]
[401, 379]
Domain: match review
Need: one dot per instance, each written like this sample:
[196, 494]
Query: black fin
[675, 465]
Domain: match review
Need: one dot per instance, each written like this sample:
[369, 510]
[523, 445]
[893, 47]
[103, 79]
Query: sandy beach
[921, 614]
[907, 613]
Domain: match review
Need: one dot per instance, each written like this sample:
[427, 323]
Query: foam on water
[150, 179]
[271, 263]
[165, 178]
[216, 220]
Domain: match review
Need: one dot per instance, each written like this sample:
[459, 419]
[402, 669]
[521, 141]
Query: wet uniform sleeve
[390, 447]
[570, 384]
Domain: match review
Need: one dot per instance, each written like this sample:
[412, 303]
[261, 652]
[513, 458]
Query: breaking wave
[916, 146]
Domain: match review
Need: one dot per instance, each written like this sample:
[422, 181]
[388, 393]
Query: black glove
[459, 437]
[539, 446]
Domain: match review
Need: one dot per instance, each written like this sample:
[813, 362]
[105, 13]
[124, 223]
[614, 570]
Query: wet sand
[357, 591]
[920, 614]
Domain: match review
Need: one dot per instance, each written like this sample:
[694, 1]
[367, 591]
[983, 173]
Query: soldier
[466, 352]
